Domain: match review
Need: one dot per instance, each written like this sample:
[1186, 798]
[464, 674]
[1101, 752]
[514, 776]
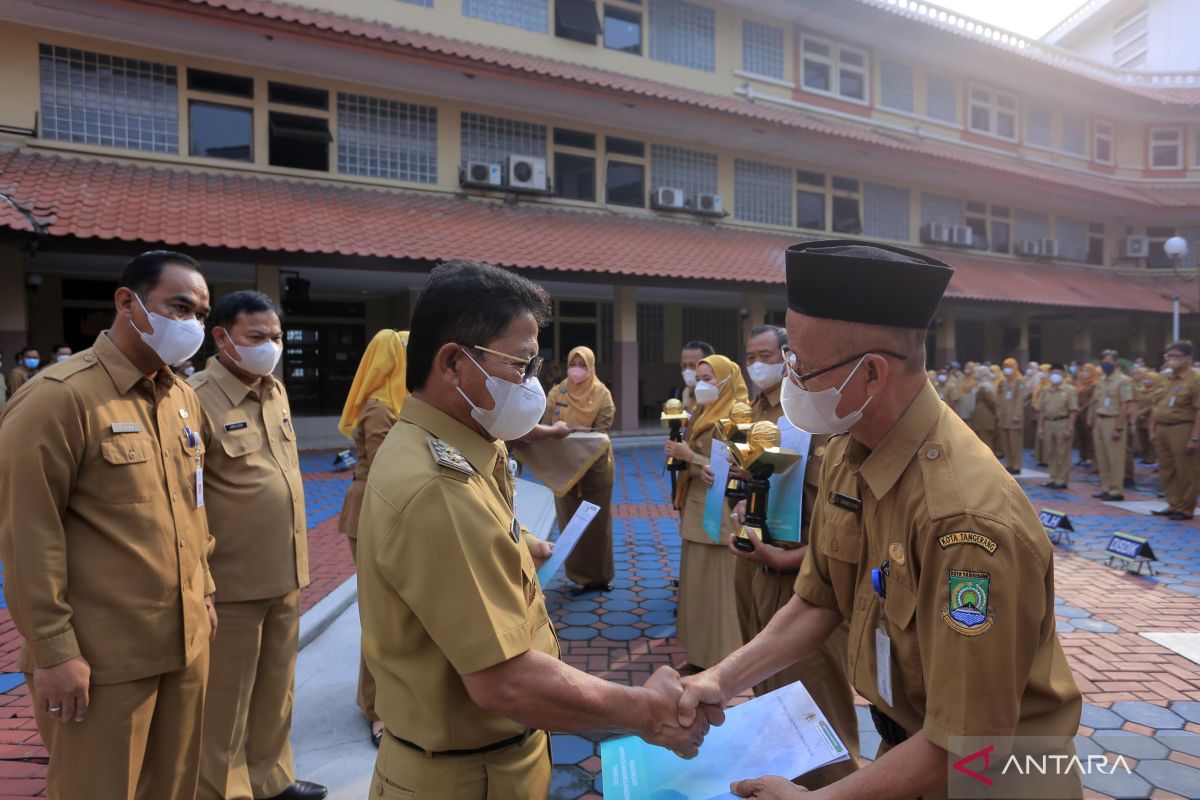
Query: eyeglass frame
[532, 366]
[802, 378]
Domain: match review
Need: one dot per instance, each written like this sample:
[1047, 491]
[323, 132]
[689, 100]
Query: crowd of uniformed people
[153, 538]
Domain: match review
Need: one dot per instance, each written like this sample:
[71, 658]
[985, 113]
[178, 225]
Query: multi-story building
[647, 160]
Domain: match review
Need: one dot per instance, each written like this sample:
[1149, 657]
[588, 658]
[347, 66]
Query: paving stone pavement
[1141, 699]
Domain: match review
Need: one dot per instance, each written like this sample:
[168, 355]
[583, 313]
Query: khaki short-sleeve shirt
[1010, 403]
[446, 584]
[969, 604]
[1058, 401]
[1112, 393]
[1178, 398]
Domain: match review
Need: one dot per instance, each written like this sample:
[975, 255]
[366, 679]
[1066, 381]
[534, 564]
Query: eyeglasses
[530, 367]
[794, 366]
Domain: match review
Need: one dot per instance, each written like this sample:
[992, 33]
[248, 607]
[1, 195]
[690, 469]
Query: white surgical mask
[517, 406]
[258, 360]
[174, 340]
[1056, 379]
[707, 392]
[765, 376]
[942, 378]
[1008, 371]
[689, 378]
[1166, 371]
[816, 412]
[61, 358]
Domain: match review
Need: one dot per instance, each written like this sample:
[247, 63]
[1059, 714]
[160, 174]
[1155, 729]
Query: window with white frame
[991, 226]
[1166, 148]
[762, 49]
[691, 171]
[941, 97]
[1074, 135]
[830, 68]
[1030, 225]
[1095, 251]
[845, 205]
[93, 98]
[493, 139]
[386, 139]
[885, 211]
[943, 209]
[1103, 142]
[896, 86]
[1192, 235]
[683, 33]
[1072, 236]
[530, 15]
[762, 192]
[1039, 124]
[1130, 38]
[992, 112]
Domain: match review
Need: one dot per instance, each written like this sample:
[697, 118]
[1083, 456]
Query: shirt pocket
[128, 474]
[238, 444]
[899, 609]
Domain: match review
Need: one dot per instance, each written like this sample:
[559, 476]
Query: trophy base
[744, 539]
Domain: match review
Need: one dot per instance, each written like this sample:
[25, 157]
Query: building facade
[648, 161]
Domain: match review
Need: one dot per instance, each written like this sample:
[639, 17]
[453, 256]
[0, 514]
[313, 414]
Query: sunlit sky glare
[1027, 17]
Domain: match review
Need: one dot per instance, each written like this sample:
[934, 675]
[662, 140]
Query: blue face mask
[31, 363]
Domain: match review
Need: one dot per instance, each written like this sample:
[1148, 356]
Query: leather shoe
[1101, 495]
[1164, 512]
[1115, 498]
[1175, 515]
[302, 790]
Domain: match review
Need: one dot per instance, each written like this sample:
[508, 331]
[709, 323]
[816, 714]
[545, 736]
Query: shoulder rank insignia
[967, 611]
[447, 455]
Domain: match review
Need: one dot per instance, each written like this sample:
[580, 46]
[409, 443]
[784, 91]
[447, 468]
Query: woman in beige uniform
[583, 402]
[706, 618]
[371, 410]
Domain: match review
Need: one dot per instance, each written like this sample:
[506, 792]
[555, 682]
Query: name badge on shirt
[883, 665]
[237, 426]
[126, 427]
[851, 504]
[1107, 402]
[1008, 395]
[200, 487]
[1171, 402]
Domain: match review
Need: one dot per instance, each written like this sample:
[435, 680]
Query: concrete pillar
[945, 348]
[14, 322]
[625, 352]
[266, 280]
[1082, 344]
[1020, 318]
[756, 313]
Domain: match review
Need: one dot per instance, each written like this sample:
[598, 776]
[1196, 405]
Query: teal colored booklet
[781, 733]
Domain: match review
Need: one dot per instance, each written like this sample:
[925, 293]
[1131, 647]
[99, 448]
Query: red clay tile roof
[104, 200]
[293, 18]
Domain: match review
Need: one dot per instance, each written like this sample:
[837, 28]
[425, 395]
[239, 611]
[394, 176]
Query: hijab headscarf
[1087, 377]
[733, 389]
[380, 377]
[585, 399]
[1043, 381]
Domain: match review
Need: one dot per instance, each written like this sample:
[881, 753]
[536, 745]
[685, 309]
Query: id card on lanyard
[883, 642]
[193, 440]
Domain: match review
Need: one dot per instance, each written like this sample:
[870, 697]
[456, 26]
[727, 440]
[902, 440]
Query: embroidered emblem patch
[968, 537]
[967, 611]
[852, 504]
[896, 553]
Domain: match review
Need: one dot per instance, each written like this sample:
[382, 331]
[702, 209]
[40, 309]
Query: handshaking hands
[676, 720]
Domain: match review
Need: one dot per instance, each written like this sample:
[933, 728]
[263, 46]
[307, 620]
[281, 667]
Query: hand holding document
[567, 540]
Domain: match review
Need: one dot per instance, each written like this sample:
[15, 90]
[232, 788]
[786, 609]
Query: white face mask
[174, 340]
[765, 376]
[942, 378]
[518, 406]
[816, 412]
[689, 378]
[1056, 379]
[61, 358]
[1008, 371]
[1166, 371]
[707, 392]
[257, 360]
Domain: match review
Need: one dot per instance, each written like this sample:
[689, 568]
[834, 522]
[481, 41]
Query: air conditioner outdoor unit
[936, 233]
[962, 235]
[1137, 247]
[666, 197]
[526, 172]
[1049, 247]
[1030, 247]
[708, 204]
[480, 173]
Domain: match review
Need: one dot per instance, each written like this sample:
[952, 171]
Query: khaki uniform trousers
[1146, 448]
[822, 672]
[1057, 450]
[141, 739]
[365, 698]
[251, 685]
[743, 586]
[1012, 446]
[591, 562]
[519, 772]
[1110, 454]
[1180, 472]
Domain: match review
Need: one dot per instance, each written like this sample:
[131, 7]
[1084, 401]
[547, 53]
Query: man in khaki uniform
[105, 546]
[26, 367]
[455, 628]
[1057, 407]
[1112, 415]
[255, 504]
[766, 576]
[955, 636]
[1175, 429]
[1011, 399]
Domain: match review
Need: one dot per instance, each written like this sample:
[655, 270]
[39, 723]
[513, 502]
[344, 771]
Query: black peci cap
[867, 283]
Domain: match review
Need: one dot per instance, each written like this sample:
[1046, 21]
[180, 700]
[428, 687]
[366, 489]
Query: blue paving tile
[659, 618]
[659, 605]
[575, 634]
[620, 618]
[1183, 741]
[1188, 709]
[620, 605]
[1084, 746]
[657, 594]
[569, 782]
[579, 618]
[1100, 718]
[1148, 714]
[10, 681]
[581, 605]
[1177, 778]
[570, 749]
[1127, 743]
[1095, 626]
[661, 632]
[621, 633]
[1118, 784]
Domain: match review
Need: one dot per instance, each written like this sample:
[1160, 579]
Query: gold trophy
[673, 417]
[762, 456]
[733, 431]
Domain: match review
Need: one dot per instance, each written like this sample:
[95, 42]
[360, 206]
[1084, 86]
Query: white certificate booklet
[567, 540]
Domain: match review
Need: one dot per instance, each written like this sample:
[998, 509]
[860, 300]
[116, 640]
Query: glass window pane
[815, 47]
[1103, 150]
[982, 95]
[810, 211]
[816, 75]
[979, 232]
[851, 84]
[1006, 125]
[623, 30]
[625, 184]
[575, 176]
[1164, 155]
[846, 216]
[981, 119]
[845, 184]
[854, 57]
[1000, 237]
[217, 131]
[810, 178]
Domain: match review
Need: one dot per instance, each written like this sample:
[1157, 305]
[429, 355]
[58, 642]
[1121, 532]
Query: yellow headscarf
[733, 389]
[380, 377]
[1043, 382]
[1087, 377]
[584, 400]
